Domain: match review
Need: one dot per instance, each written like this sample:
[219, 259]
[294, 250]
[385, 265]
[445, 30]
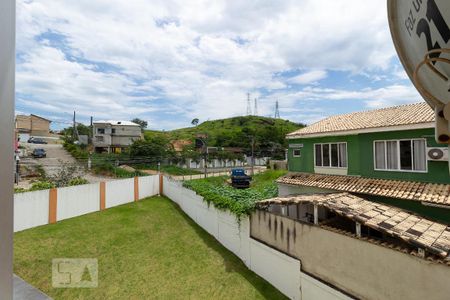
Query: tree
[157, 147]
[195, 121]
[140, 122]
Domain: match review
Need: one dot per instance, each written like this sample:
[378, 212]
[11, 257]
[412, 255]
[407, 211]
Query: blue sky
[169, 61]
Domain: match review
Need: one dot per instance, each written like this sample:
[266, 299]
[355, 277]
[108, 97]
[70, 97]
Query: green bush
[78, 181]
[42, 185]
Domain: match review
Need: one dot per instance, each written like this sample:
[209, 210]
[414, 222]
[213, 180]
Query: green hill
[269, 133]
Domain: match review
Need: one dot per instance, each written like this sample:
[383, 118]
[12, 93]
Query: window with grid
[333, 155]
[401, 155]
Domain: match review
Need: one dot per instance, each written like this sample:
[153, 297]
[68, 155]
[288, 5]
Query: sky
[170, 61]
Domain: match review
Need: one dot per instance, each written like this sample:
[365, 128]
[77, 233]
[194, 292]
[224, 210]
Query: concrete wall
[118, 194]
[34, 209]
[360, 268]
[78, 200]
[30, 210]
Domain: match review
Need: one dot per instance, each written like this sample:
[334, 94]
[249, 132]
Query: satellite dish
[421, 33]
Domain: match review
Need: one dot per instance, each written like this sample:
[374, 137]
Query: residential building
[32, 125]
[115, 136]
[387, 155]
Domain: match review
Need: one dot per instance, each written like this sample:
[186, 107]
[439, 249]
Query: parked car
[36, 141]
[239, 179]
[39, 153]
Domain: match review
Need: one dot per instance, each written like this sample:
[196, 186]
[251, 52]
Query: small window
[113, 130]
[99, 138]
[297, 153]
[101, 130]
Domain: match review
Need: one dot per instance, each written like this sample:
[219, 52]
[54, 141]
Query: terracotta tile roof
[409, 114]
[412, 229]
[433, 193]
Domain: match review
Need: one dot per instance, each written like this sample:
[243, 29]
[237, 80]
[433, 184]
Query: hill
[269, 133]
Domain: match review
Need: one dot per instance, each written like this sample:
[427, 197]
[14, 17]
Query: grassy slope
[146, 250]
[231, 127]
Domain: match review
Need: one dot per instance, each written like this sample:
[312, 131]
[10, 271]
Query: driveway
[56, 154]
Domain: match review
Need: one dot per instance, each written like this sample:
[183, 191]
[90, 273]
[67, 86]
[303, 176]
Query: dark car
[239, 179]
[37, 141]
[39, 153]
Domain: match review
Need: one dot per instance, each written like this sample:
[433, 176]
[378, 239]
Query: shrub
[78, 181]
[42, 185]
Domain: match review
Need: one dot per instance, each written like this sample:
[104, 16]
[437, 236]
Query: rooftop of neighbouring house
[412, 229]
[433, 193]
[415, 115]
[112, 122]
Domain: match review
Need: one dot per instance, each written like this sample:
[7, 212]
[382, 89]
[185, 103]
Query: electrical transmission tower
[255, 110]
[277, 111]
[249, 105]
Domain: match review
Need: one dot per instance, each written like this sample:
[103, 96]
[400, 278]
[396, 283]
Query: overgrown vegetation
[269, 134]
[218, 192]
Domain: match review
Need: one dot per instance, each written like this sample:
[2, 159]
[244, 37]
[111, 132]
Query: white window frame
[398, 156]
[329, 153]
[296, 149]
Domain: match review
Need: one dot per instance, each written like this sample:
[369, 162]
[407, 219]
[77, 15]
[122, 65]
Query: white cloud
[309, 77]
[119, 59]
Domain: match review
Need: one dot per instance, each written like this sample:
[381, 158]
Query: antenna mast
[277, 110]
[249, 106]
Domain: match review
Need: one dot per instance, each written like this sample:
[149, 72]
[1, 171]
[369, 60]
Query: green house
[387, 155]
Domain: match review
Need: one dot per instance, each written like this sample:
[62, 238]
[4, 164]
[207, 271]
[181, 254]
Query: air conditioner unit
[439, 154]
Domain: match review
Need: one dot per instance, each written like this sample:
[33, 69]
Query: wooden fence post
[53, 206]
[161, 184]
[136, 188]
[102, 195]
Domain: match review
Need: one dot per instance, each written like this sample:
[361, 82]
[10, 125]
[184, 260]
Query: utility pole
[253, 155]
[7, 75]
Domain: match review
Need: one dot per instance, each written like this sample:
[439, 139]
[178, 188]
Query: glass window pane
[326, 155]
[343, 155]
[334, 155]
[318, 155]
[380, 156]
[297, 153]
[420, 159]
[405, 155]
[392, 155]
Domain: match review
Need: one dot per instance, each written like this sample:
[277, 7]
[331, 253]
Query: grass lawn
[146, 250]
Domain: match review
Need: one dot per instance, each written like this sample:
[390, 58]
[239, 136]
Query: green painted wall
[360, 156]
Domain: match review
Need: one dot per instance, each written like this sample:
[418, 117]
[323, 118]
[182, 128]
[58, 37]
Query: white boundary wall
[277, 268]
[78, 200]
[119, 193]
[31, 209]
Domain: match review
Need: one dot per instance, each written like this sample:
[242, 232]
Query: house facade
[392, 149]
[32, 125]
[115, 136]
